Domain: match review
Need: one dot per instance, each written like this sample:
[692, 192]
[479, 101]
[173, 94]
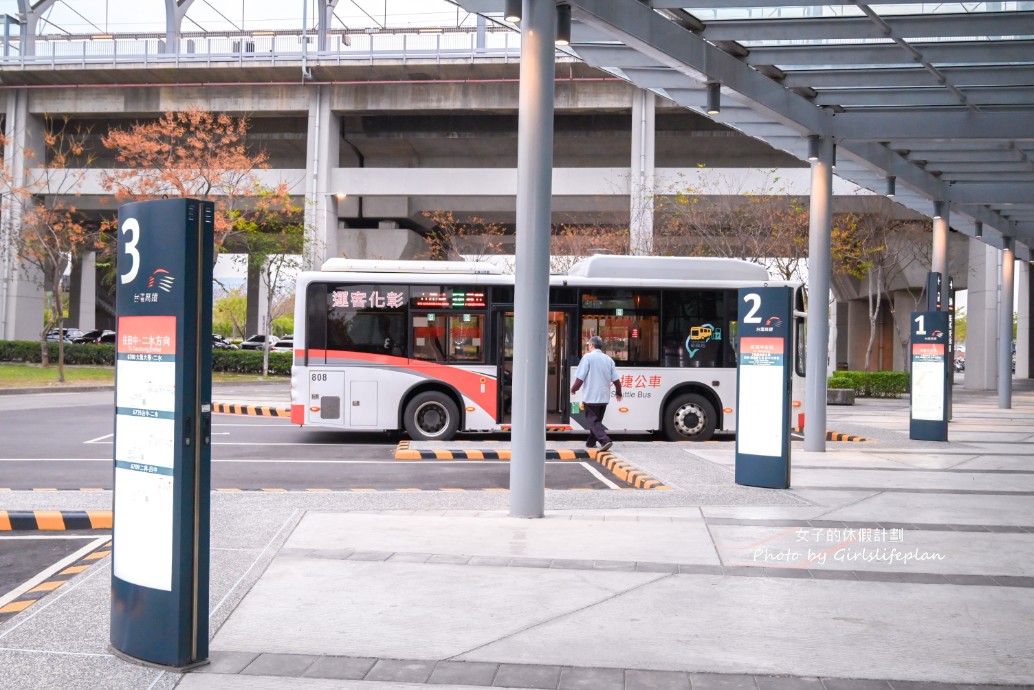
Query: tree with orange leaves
[52, 231]
[193, 153]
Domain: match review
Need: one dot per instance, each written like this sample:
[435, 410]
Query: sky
[128, 16]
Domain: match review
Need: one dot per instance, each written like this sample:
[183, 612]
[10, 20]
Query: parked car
[285, 344]
[222, 343]
[93, 336]
[255, 342]
[108, 338]
[68, 334]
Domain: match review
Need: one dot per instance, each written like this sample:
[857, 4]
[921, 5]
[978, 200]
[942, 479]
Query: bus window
[316, 319]
[466, 338]
[627, 320]
[697, 329]
[448, 337]
[367, 318]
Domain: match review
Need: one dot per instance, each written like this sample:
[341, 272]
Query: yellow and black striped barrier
[54, 520]
[30, 597]
[622, 470]
[253, 410]
[837, 436]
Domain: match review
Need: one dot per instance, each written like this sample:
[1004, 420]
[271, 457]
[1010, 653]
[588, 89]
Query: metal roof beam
[999, 75]
[989, 193]
[924, 96]
[978, 52]
[959, 124]
[847, 28]
[640, 28]
[732, 4]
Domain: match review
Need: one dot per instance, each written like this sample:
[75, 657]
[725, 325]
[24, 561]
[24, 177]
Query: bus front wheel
[431, 416]
[689, 417]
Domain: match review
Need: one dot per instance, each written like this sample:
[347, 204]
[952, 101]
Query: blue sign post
[163, 392]
[763, 387]
[929, 401]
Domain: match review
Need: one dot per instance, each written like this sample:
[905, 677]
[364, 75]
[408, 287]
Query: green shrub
[872, 384]
[233, 361]
[250, 362]
[29, 351]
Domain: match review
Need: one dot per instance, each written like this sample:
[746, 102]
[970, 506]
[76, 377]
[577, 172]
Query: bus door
[504, 365]
[558, 349]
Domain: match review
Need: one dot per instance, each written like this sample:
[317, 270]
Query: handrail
[250, 47]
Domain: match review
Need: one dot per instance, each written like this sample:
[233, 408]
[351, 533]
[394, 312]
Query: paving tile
[341, 667]
[656, 568]
[797, 573]
[1014, 581]
[623, 566]
[401, 671]
[527, 676]
[656, 680]
[226, 662]
[448, 559]
[916, 685]
[463, 673]
[853, 684]
[572, 564]
[697, 569]
[592, 679]
[530, 562]
[982, 580]
[370, 556]
[489, 561]
[787, 683]
[832, 574]
[409, 558]
[287, 665]
[743, 571]
[722, 681]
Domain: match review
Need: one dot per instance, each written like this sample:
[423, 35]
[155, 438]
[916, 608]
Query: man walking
[596, 371]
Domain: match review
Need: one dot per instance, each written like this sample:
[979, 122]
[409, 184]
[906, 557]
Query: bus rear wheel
[431, 416]
[689, 417]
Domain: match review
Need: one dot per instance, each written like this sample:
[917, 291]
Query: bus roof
[384, 266]
[668, 268]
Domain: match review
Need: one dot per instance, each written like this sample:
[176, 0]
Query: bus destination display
[450, 299]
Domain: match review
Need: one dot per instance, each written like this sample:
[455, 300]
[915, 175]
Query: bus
[427, 346]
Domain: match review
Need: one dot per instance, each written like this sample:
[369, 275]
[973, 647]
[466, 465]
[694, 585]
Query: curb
[622, 470]
[837, 436]
[27, 599]
[67, 389]
[253, 410]
[54, 520]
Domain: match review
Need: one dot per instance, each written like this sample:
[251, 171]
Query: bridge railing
[281, 46]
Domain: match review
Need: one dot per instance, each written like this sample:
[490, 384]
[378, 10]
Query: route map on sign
[145, 434]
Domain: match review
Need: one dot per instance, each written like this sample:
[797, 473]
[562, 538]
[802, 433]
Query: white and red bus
[427, 347]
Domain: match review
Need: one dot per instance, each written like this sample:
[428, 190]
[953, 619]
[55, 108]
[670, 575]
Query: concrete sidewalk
[890, 563]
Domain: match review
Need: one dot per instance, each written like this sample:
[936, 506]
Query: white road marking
[100, 439]
[57, 567]
[599, 475]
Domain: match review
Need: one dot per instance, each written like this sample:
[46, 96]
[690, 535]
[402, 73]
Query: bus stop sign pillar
[162, 453]
[763, 387]
[928, 401]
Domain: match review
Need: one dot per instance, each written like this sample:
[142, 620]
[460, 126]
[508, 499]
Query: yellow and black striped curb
[254, 410]
[628, 473]
[54, 520]
[837, 436]
[27, 599]
[622, 470]
[404, 452]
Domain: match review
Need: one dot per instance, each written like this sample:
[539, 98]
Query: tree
[719, 216]
[275, 238]
[193, 153]
[232, 309]
[450, 237]
[53, 232]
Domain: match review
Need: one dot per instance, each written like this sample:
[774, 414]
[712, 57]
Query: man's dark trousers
[594, 420]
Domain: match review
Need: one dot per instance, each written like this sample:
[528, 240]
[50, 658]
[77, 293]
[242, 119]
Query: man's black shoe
[606, 446]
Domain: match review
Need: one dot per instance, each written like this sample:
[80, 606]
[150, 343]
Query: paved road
[64, 442]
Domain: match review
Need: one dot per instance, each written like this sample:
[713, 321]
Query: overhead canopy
[938, 96]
